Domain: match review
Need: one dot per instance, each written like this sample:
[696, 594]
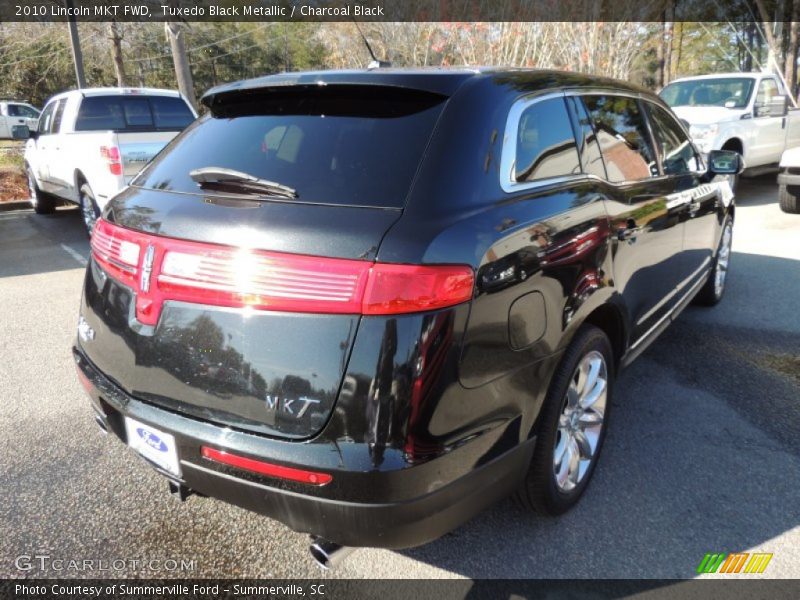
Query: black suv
[370, 303]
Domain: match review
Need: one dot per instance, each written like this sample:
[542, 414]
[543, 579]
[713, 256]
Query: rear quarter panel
[554, 239]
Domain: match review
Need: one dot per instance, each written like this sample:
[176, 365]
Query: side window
[545, 142]
[57, 115]
[28, 111]
[677, 153]
[767, 90]
[46, 119]
[588, 147]
[623, 137]
[12, 110]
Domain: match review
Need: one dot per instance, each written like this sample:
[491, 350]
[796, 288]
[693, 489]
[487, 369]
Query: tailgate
[138, 148]
[265, 371]
[235, 305]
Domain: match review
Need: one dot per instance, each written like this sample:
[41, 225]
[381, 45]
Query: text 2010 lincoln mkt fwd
[370, 303]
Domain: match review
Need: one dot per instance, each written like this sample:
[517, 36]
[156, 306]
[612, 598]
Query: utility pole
[116, 53]
[77, 55]
[183, 73]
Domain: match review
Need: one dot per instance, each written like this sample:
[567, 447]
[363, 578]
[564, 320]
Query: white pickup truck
[15, 118]
[750, 113]
[90, 143]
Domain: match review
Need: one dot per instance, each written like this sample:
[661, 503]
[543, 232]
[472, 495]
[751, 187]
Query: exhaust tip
[102, 424]
[327, 554]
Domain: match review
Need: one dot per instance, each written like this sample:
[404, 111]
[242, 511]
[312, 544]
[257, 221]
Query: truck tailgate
[138, 148]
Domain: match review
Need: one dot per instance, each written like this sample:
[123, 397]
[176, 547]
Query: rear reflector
[87, 385]
[201, 273]
[263, 468]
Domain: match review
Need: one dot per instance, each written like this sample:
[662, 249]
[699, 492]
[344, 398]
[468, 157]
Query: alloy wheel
[581, 421]
[88, 212]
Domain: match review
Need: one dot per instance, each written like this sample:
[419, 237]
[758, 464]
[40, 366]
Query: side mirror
[725, 162]
[779, 106]
[20, 132]
[776, 107]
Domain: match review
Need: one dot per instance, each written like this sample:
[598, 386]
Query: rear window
[133, 113]
[346, 145]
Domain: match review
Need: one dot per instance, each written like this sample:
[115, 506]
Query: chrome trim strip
[645, 336]
[508, 156]
[676, 289]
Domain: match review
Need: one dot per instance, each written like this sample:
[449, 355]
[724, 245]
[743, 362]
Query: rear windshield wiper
[222, 179]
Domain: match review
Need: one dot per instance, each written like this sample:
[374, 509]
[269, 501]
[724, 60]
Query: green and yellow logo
[736, 562]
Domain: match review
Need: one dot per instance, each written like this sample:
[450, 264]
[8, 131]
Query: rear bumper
[387, 517]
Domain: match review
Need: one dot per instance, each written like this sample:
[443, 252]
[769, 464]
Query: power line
[194, 48]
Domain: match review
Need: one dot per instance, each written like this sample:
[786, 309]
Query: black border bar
[383, 10]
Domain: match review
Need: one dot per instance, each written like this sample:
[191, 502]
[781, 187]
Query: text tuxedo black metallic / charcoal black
[371, 303]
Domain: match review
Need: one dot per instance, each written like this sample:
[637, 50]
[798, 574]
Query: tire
[789, 202]
[42, 203]
[88, 206]
[713, 290]
[565, 431]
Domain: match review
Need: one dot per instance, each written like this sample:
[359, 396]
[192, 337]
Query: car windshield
[730, 92]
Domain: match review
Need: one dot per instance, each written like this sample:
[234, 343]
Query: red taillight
[262, 280]
[111, 154]
[117, 250]
[87, 385]
[394, 289]
[203, 273]
[264, 468]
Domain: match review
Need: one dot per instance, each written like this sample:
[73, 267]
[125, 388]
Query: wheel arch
[734, 143]
[78, 179]
[609, 318]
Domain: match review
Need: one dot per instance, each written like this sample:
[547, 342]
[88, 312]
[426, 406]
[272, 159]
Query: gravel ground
[702, 456]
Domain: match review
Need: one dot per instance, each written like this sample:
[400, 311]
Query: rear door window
[588, 147]
[57, 116]
[46, 119]
[133, 113]
[623, 136]
[545, 142]
[346, 145]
